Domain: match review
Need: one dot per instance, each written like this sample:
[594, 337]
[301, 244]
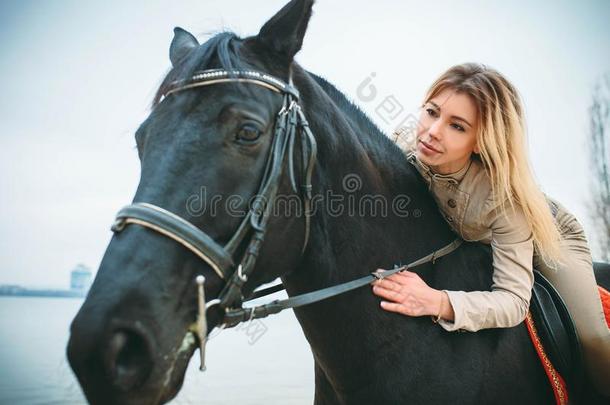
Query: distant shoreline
[17, 291]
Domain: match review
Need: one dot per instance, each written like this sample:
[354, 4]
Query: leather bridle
[290, 123]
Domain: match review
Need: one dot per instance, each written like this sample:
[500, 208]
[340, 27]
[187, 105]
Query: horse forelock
[220, 51]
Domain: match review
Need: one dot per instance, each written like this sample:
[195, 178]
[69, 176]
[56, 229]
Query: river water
[240, 362]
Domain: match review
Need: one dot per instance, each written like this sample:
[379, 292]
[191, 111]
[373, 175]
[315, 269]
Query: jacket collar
[428, 172]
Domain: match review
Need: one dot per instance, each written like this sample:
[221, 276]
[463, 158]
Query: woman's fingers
[387, 293]
[405, 293]
[397, 280]
[393, 307]
[388, 284]
[405, 274]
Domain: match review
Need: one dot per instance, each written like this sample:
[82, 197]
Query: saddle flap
[557, 332]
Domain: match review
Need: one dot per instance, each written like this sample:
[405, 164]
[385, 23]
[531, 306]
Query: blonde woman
[470, 149]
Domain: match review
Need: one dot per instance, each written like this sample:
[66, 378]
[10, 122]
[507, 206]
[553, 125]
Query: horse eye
[248, 133]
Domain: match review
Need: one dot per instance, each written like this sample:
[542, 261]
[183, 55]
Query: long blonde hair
[501, 138]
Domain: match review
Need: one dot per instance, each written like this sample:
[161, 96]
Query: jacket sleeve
[507, 303]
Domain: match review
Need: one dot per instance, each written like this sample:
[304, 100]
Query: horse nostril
[128, 359]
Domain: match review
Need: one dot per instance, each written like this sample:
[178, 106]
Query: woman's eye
[458, 127]
[248, 133]
[431, 112]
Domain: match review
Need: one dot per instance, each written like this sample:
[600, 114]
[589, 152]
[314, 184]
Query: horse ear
[182, 44]
[283, 33]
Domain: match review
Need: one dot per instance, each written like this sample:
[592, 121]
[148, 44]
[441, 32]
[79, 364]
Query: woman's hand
[406, 293]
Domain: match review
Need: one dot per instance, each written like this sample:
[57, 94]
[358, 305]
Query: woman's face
[446, 137]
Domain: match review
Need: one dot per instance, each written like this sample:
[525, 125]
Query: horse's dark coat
[362, 354]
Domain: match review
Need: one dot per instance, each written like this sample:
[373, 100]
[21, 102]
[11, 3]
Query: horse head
[207, 149]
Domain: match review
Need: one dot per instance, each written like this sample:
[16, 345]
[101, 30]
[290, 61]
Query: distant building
[80, 282]
[10, 289]
[80, 278]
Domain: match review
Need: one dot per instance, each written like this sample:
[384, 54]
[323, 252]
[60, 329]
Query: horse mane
[383, 152]
[368, 130]
[353, 110]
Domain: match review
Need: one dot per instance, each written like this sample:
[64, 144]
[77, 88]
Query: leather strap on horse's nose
[178, 229]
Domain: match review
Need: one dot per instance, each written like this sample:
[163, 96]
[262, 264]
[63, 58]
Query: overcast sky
[78, 77]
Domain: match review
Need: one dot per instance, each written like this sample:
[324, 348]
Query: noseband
[290, 123]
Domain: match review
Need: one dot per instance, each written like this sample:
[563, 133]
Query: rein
[290, 123]
[234, 317]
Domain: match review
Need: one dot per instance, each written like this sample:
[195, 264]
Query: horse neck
[348, 246]
[350, 148]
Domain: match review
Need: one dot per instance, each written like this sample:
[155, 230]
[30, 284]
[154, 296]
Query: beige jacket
[464, 198]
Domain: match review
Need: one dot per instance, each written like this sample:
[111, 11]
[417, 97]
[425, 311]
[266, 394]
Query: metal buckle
[285, 110]
[241, 274]
[377, 274]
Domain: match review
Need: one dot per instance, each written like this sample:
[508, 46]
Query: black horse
[127, 343]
